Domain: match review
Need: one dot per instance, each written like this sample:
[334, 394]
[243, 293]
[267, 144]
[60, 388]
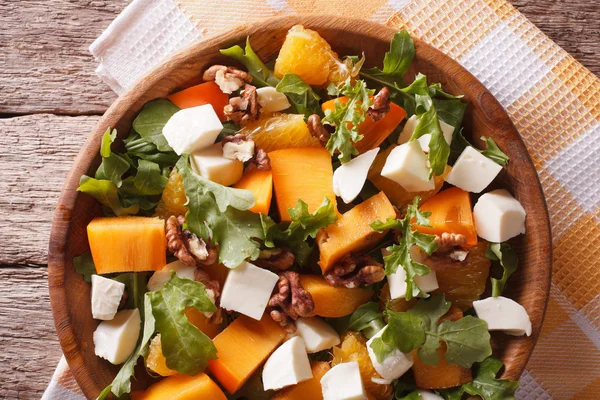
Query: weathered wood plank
[45, 65]
[29, 349]
[36, 153]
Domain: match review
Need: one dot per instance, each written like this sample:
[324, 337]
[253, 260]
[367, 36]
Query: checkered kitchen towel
[552, 99]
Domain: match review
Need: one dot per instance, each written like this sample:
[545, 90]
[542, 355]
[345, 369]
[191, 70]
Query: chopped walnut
[244, 109]
[355, 270]
[261, 160]
[212, 291]
[229, 79]
[381, 104]
[186, 246]
[317, 129]
[238, 147]
[275, 259]
[290, 301]
[448, 241]
[458, 254]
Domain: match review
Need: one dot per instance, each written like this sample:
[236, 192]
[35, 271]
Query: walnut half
[355, 270]
[187, 247]
[290, 301]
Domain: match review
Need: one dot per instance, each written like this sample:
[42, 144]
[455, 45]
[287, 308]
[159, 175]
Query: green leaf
[467, 340]
[429, 313]
[493, 152]
[488, 386]
[149, 179]
[305, 224]
[418, 86]
[107, 139]
[404, 330]
[106, 193]
[135, 286]
[439, 149]
[382, 348]
[186, 348]
[261, 74]
[301, 95]
[509, 261]
[346, 117]
[367, 319]
[459, 144]
[220, 213]
[151, 120]
[395, 63]
[139, 147]
[113, 165]
[435, 91]
[451, 112]
[84, 266]
[400, 253]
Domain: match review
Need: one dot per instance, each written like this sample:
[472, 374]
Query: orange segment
[155, 360]
[173, 197]
[280, 131]
[451, 211]
[441, 376]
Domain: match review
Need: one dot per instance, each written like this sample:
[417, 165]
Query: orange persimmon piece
[451, 211]
[260, 183]
[352, 233]
[331, 301]
[309, 389]
[182, 387]
[204, 93]
[127, 244]
[441, 376]
[301, 173]
[374, 132]
[242, 347]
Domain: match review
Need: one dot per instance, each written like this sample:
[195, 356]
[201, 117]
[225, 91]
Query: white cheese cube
[427, 395]
[407, 166]
[498, 216]
[271, 100]
[394, 365]
[409, 129]
[106, 296]
[343, 382]
[115, 340]
[503, 314]
[192, 129]
[211, 164]
[473, 171]
[349, 178]
[318, 335]
[160, 278]
[288, 365]
[397, 280]
[247, 290]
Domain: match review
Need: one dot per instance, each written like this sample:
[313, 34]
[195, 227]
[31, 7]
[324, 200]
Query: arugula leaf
[493, 152]
[151, 120]
[451, 112]
[488, 386]
[149, 179]
[139, 147]
[406, 391]
[509, 261]
[467, 340]
[135, 286]
[84, 266]
[113, 166]
[186, 348]
[301, 95]
[261, 74]
[367, 319]
[439, 149]
[346, 117]
[220, 213]
[107, 139]
[435, 90]
[400, 253]
[459, 144]
[106, 193]
[395, 62]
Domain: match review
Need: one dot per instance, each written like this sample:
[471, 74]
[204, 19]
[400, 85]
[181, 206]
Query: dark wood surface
[51, 99]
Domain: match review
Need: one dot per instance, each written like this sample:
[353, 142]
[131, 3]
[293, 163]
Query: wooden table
[50, 98]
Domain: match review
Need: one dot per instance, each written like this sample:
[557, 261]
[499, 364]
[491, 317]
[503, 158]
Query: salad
[303, 228]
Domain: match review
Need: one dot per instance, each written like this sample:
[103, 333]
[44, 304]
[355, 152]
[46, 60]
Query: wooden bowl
[70, 296]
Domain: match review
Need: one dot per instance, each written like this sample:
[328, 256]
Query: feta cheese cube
[247, 290]
[349, 178]
[407, 166]
[397, 280]
[271, 100]
[115, 340]
[211, 164]
[288, 365]
[394, 365]
[106, 296]
[503, 314]
[473, 171]
[409, 129]
[160, 278]
[343, 382]
[427, 395]
[192, 129]
[498, 216]
[318, 335]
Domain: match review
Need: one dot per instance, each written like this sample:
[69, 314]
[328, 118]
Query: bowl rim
[117, 111]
